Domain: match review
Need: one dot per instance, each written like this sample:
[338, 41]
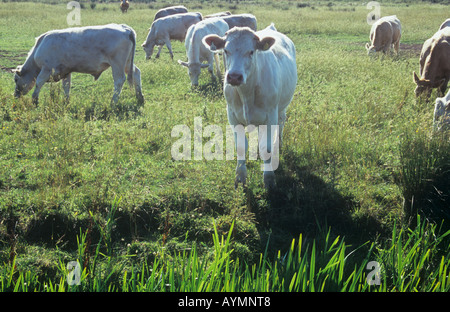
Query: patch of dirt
[7, 58]
[413, 50]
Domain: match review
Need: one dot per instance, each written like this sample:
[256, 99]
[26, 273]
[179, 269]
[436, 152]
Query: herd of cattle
[434, 61]
[260, 66]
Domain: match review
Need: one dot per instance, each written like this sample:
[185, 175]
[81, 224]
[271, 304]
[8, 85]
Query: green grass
[360, 162]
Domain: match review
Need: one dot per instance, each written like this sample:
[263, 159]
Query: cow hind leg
[397, 46]
[119, 79]
[137, 84]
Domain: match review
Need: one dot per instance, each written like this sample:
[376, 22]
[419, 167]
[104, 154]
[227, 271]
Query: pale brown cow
[436, 65]
[385, 32]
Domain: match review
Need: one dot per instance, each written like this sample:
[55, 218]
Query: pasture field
[360, 162]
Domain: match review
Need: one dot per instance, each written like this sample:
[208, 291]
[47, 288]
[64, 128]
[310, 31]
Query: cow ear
[415, 78]
[265, 43]
[214, 42]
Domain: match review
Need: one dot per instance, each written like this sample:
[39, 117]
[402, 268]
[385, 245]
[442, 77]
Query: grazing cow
[220, 14]
[426, 48]
[178, 9]
[445, 24]
[436, 65]
[124, 5]
[241, 20]
[441, 120]
[197, 52]
[260, 80]
[89, 50]
[172, 27]
[385, 32]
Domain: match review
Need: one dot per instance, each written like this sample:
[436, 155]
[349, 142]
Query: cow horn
[18, 70]
[183, 63]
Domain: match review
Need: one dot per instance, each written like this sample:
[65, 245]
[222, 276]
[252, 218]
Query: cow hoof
[140, 99]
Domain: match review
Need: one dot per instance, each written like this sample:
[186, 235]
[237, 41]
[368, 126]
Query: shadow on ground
[305, 204]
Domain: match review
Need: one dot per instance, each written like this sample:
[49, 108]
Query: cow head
[370, 49]
[425, 85]
[24, 82]
[194, 70]
[148, 48]
[239, 45]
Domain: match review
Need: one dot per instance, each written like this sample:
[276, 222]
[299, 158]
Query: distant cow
[260, 80]
[436, 65]
[172, 27]
[385, 32]
[442, 113]
[89, 50]
[178, 9]
[196, 51]
[445, 24]
[241, 20]
[219, 14]
[124, 5]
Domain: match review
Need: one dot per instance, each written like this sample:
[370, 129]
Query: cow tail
[132, 37]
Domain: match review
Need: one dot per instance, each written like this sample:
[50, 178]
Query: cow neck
[194, 55]
[431, 68]
[30, 63]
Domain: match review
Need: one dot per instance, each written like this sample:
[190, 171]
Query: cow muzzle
[235, 79]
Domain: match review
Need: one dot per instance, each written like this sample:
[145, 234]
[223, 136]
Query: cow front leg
[169, 47]
[241, 144]
[443, 87]
[66, 81]
[211, 66]
[269, 150]
[217, 62]
[159, 51]
[119, 79]
[41, 79]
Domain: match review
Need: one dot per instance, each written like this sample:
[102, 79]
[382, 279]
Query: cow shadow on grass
[214, 89]
[303, 203]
